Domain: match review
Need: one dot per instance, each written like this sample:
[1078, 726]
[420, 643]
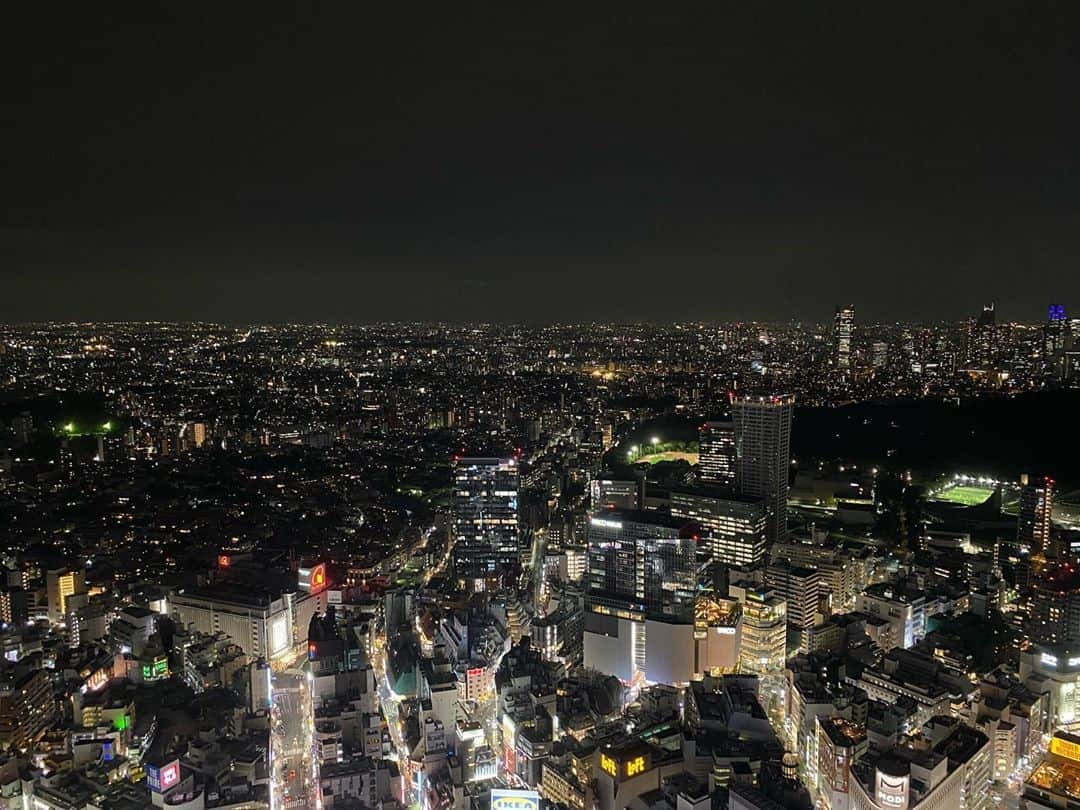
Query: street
[294, 770]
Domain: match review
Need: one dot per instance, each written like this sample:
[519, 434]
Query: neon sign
[608, 765]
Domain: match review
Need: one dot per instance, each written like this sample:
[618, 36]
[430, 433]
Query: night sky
[726, 161]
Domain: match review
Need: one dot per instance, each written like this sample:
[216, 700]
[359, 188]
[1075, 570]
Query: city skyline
[480, 408]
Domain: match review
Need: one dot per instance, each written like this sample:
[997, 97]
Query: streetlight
[655, 440]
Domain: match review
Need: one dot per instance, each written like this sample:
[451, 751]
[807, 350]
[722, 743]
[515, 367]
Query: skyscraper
[983, 337]
[1036, 505]
[843, 331]
[646, 559]
[763, 455]
[1055, 338]
[485, 519]
[880, 354]
[716, 453]
[642, 584]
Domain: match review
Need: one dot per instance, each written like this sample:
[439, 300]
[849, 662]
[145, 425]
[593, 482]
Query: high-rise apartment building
[1055, 608]
[1033, 523]
[763, 455]
[27, 707]
[716, 453]
[843, 333]
[487, 541]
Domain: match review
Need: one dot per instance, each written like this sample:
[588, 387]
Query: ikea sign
[514, 799]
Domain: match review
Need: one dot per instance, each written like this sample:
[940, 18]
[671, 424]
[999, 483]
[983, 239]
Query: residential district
[470, 567]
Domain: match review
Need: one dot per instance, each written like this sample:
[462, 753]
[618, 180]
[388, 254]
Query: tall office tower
[763, 455]
[983, 337]
[639, 607]
[716, 453]
[843, 331]
[644, 558]
[736, 523]
[61, 583]
[485, 519]
[1055, 336]
[880, 354]
[1033, 524]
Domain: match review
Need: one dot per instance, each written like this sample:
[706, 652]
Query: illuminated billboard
[279, 633]
[892, 790]
[160, 779]
[514, 799]
[313, 580]
[1069, 748]
[625, 768]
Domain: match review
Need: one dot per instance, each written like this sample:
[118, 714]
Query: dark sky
[723, 160]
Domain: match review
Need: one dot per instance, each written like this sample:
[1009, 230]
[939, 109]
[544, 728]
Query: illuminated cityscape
[418, 565]
[485, 408]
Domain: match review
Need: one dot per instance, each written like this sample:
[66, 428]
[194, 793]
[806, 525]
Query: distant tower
[763, 455]
[843, 331]
[1034, 521]
[983, 338]
[1055, 337]
[880, 354]
[716, 453]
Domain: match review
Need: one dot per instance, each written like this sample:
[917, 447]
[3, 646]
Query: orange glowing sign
[313, 579]
[1065, 748]
[223, 561]
[631, 767]
[609, 765]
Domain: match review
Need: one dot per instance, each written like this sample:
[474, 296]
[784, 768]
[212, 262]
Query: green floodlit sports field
[668, 455]
[966, 495]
